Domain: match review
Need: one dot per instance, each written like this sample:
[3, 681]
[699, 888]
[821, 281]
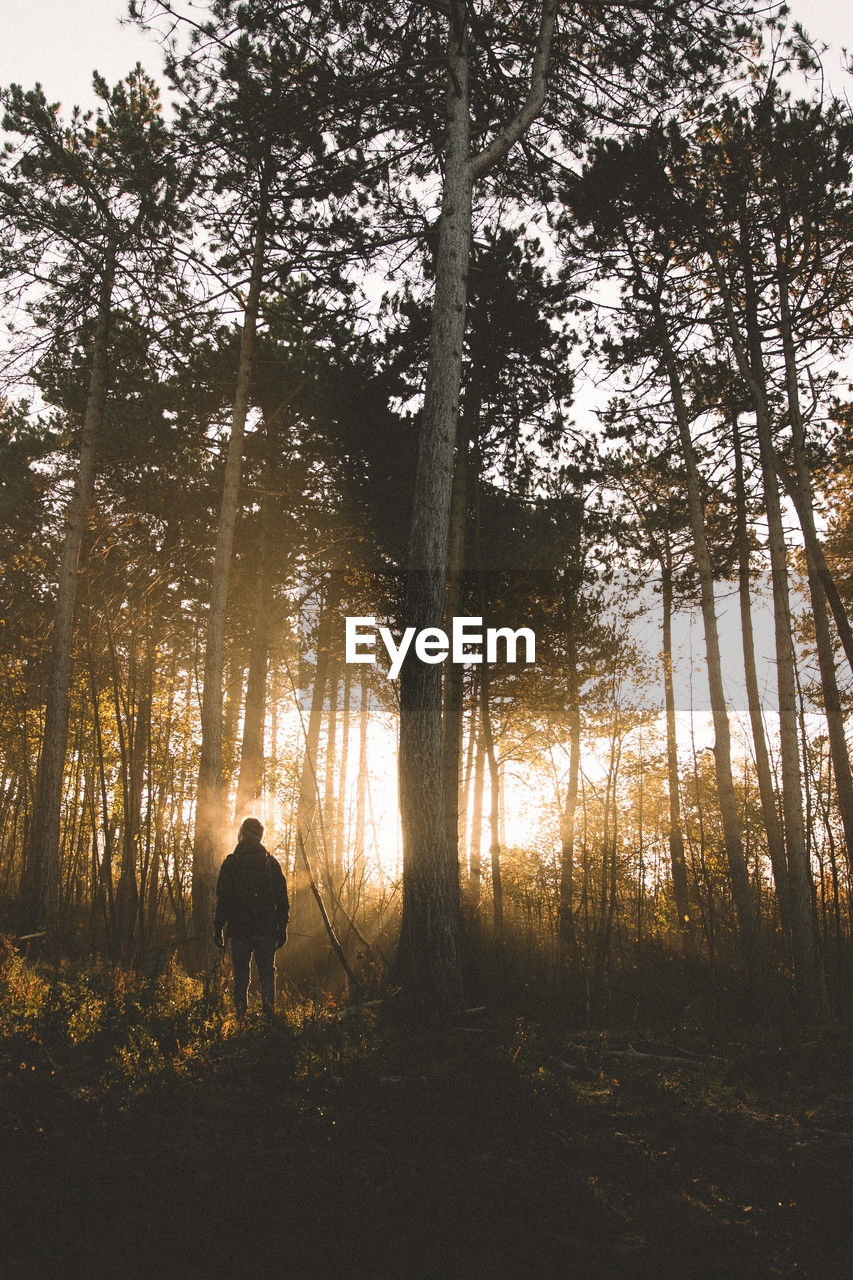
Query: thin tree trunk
[307, 819]
[40, 881]
[750, 360]
[766, 790]
[465, 789]
[329, 802]
[476, 844]
[738, 873]
[676, 831]
[454, 673]
[251, 779]
[566, 919]
[357, 870]
[210, 824]
[340, 825]
[805, 515]
[823, 639]
[494, 813]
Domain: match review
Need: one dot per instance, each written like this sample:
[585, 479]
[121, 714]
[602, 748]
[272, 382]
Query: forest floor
[158, 1139]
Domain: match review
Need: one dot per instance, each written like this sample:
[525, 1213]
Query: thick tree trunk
[766, 790]
[210, 818]
[427, 957]
[676, 830]
[738, 873]
[40, 881]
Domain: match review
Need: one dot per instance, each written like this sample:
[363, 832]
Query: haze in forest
[603, 399]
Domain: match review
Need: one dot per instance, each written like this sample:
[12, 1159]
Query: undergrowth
[106, 1032]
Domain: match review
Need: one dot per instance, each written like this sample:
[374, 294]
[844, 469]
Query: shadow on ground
[369, 1148]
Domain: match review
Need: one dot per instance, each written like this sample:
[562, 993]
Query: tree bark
[251, 778]
[40, 881]
[750, 360]
[566, 918]
[676, 830]
[428, 957]
[766, 790]
[494, 813]
[475, 884]
[357, 870]
[210, 833]
[329, 800]
[452, 706]
[738, 873]
[340, 826]
[823, 639]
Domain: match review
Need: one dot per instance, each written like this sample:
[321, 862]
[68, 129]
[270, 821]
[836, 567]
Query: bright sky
[60, 42]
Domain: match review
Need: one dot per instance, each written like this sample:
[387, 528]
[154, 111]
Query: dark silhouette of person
[252, 908]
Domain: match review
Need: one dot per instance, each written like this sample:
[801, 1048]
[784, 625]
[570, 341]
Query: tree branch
[500, 146]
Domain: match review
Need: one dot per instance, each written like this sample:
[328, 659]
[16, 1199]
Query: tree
[88, 210]
[254, 90]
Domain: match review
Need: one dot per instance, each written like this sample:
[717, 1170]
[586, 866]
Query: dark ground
[370, 1146]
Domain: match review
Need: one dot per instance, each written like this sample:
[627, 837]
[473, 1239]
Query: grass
[146, 1134]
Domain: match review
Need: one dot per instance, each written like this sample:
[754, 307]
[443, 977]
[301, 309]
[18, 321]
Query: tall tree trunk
[330, 781]
[454, 673]
[805, 515]
[750, 360]
[40, 881]
[738, 873]
[465, 789]
[428, 957]
[476, 841]
[494, 813]
[766, 790]
[210, 823]
[134, 724]
[357, 870]
[307, 820]
[823, 638]
[340, 825]
[307, 814]
[251, 778]
[676, 830]
[566, 918]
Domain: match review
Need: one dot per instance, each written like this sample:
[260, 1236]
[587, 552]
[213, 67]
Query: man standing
[252, 909]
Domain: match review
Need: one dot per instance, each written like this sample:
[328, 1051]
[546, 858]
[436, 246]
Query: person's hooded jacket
[251, 893]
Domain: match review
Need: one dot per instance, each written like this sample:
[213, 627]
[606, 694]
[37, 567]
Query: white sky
[60, 42]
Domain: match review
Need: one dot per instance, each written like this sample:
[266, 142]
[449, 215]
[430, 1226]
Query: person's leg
[265, 960]
[241, 955]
